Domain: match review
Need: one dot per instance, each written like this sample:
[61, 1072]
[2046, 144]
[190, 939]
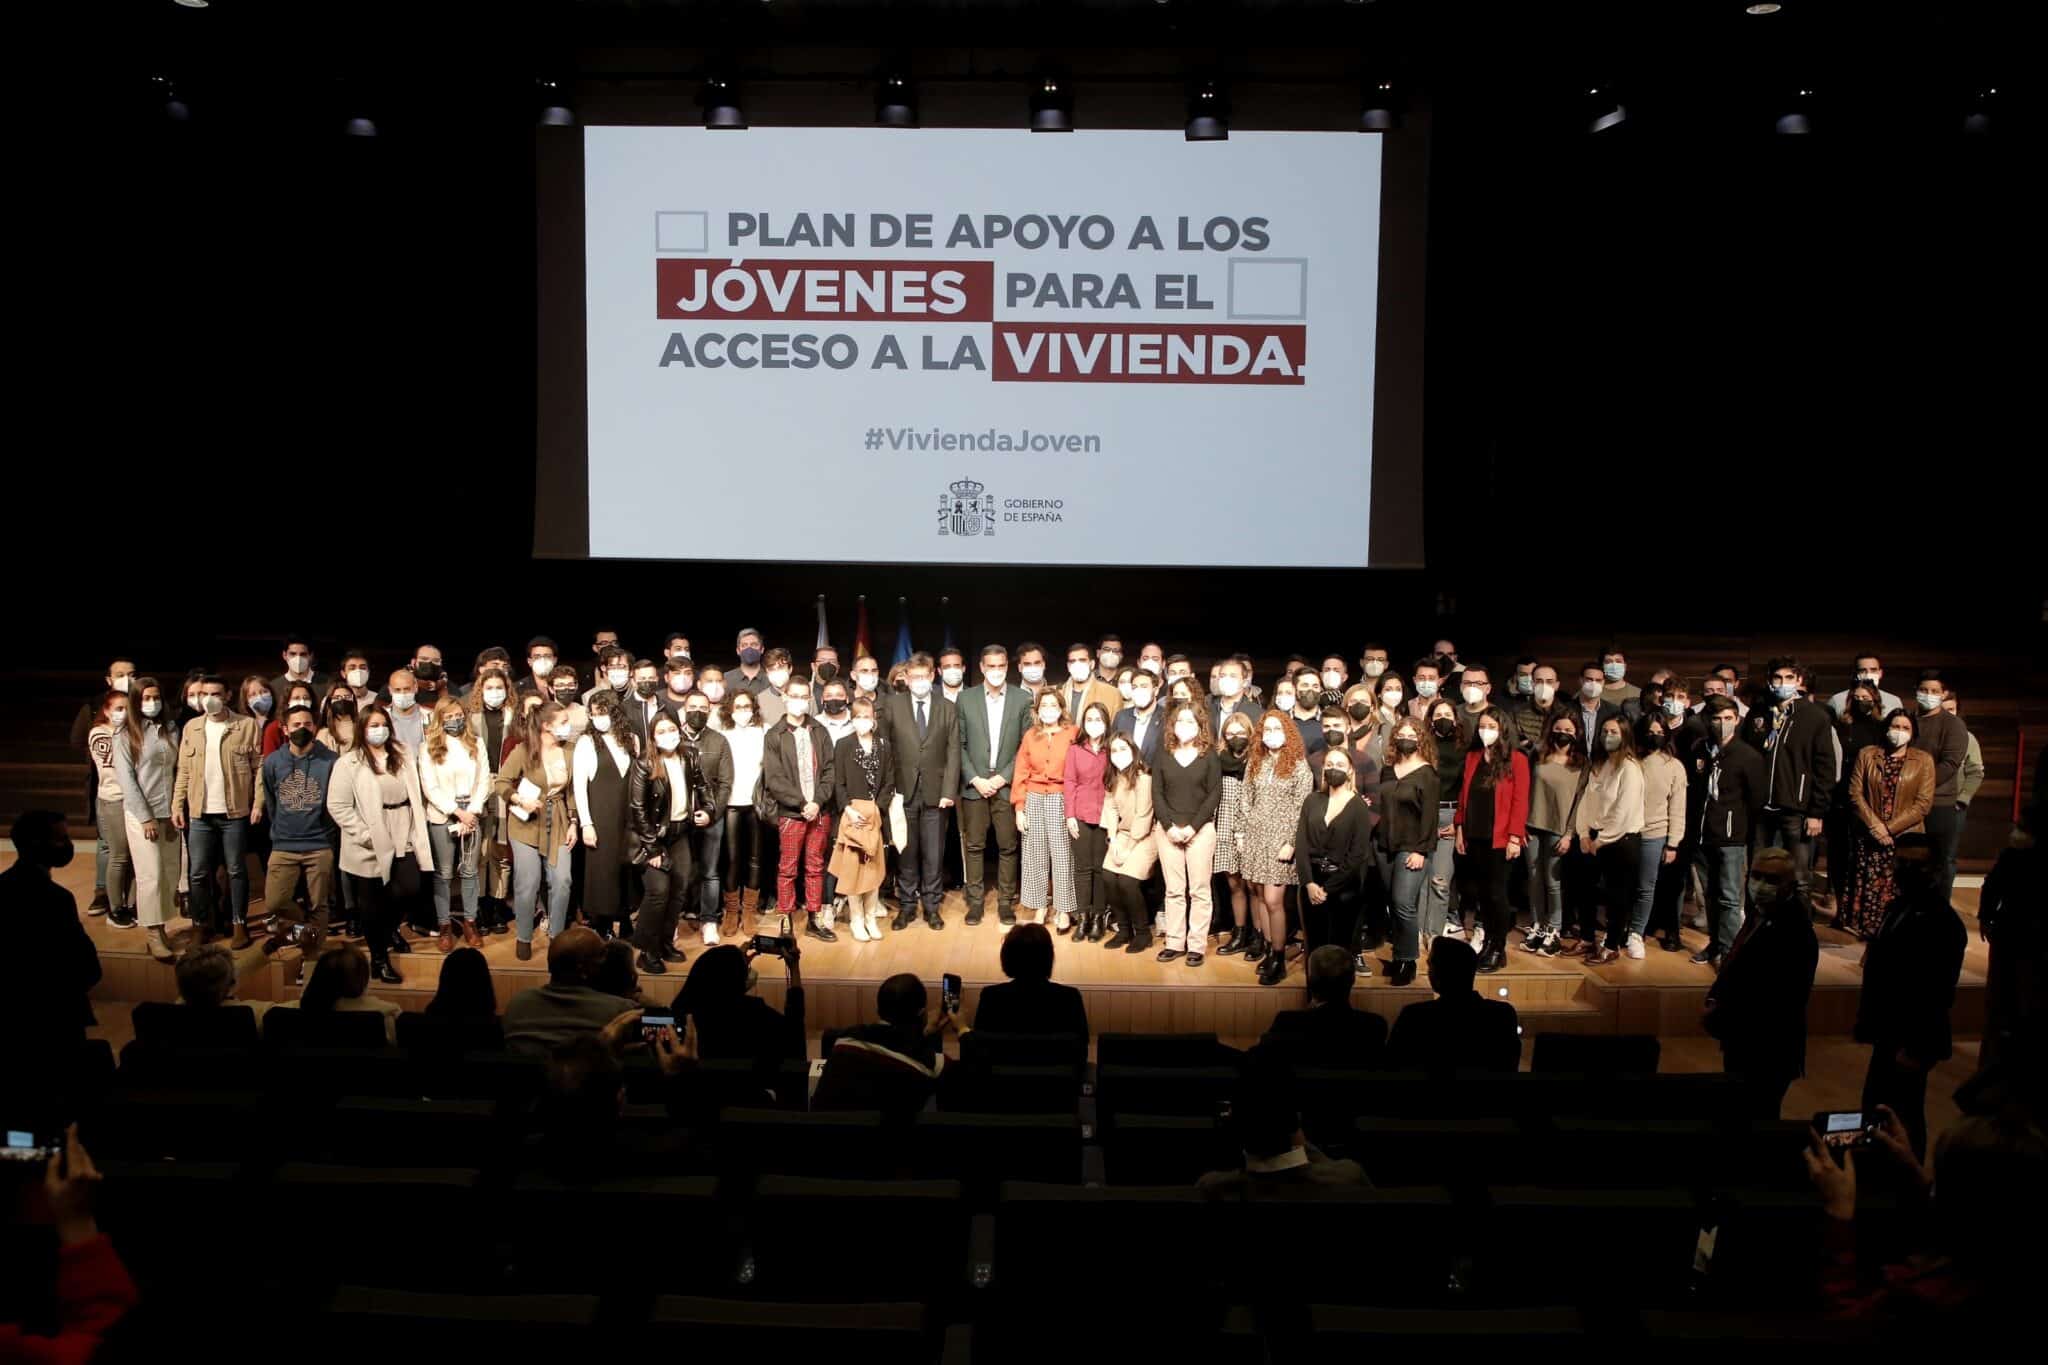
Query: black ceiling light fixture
[1380, 110]
[721, 100]
[551, 97]
[896, 101]
[1603, 109]
[1208, 112]
[1052, 105]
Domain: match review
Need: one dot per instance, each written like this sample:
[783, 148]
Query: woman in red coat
[1493, 824]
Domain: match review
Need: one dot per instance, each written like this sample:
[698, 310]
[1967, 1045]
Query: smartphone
[1843, 1129]
[27, 1146]
[949, 992]
[652, 1023]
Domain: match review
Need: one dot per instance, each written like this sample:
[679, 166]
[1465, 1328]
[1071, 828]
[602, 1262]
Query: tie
[920, 718]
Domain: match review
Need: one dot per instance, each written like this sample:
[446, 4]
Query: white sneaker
[857, 923]
[1456, 931]
[874, 927]
[1478, 939]
[1634, 947]
[708, 931]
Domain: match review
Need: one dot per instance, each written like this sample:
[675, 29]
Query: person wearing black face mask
[712, 758]
[1237, 743]
[46, 1010]
[1332, 845]
[302, 837]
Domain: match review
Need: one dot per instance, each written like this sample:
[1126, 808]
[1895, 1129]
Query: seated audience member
[893, 1066]
[1909, 985]
[1988, 1181]
[730, 1021]
[578, 1135]
[207, 980]
[1329, 1033]
[465, 1007]
[616, 974]
[541, 1019]
[1031, 1001]
[340, 981]
[93, 1288]
[1460, 1029]
[1266, 1117]
[1757, 1004]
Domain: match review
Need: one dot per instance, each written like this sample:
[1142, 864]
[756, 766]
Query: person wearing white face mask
[216, 796]
[408, 718]
[1732, 774]
[355, 672]
[863, 786]
[1082, 688]
[1802, 756]
[143, 768]
[1614, 683]
[536, 784]
[1144, 720]
[1867, 669]
[1492, 824]
[993, 718]
[120, 677]
[1081, 788]
[1428, 678]
[1947, 739]
[1230, 699]
[456, 786]
[1890, 792]
[113, 727]
[614, 674]
[923, 729]
[1038, 795]
[1372, 662]
[867, 680]
[662, 791]
[1187, 792]
[796, 770]
[601, 766]
[1277, 779]
[490, 710]
[1333, 674]
[374, 797]
[952, 674]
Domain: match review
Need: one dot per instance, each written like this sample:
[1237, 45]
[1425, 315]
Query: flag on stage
[860, 630]
[903, 649]
[824, 636]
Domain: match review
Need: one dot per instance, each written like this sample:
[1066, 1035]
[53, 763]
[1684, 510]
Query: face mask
[152, 709]
[455, 725]
[1283, 701]
[601, 724]
[212, 705]
[1426, 687]
[1406, 744]
[750, 655]
[1474, 695]
[1562, 739]
[1375, 667]
[1124, 690]
[1899, 738]
[1078, 671]
[646, 687]
[742, 716]
[1391, 698]
[404, 701]
[1049, 715]
[696, 720]
[679, 683]
[1867, 676]
[1237, 744]
[778, 678]
[1673, 707]
[494, 696]
[358, 676]
[1525, 684]
[298, 665]
[616, 677]
[1444, 728]
[667, 741]
[1591, 688]
[1230, 687]
[561, 732]
[1929, 701]
[1121, 758]
[1545, 691]
[1271, 739]
[377, 734]
[1725, 729]
[1032, 673]
[1336, 777]
[799, 706]
[1153, 666]
[952, 676]
[1488, 735]
[1096, 729]
[1653, 741]
[995, 677]
[565, 692]
[1305, 699]
[1333, 738]
[920, 688]
[1359, 709]
[834, 706]
[1614, 670]
[1141, 697]
[1332, 679]
[192, 701]
[260, 703]
[301, 737]
[1110, 659]
[1186, 731]
[1784, 691]
[1610, 743]
[117, 719]
[866, 681]
[715, 691]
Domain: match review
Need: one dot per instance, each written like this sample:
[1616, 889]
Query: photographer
[897, 1065]
[731, 1021]
[93, 1289]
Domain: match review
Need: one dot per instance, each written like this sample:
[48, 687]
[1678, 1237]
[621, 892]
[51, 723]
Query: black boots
[1235, 944]
[1402, 973]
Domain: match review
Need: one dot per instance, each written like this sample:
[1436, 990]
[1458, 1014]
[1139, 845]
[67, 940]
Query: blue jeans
[1725, 872]
[527, 867]
[1436, 891]
[1648, 862]
[706, 844]
[1546, 913]
[447, 853]
[1404, 892]
[212, 840]
[1786, 829]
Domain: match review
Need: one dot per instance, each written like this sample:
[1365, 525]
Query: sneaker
[1705, 957]
[1478, 939]
[99, 903]
[1533, 941]
[1634, 947]
[1456, 931]
[709, 932]
[1551, 947]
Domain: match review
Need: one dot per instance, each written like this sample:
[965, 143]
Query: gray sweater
[542, 1019]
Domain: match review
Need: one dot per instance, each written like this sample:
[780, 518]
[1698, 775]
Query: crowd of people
[1130, 801]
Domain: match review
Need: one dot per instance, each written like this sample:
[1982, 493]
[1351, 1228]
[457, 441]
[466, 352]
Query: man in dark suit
[1230, 698]
[1460, 1029]
[1757, 1004]
[923, 730]
[1330, 1032]
[713, 760]
[1144, 720]
[643, 700]
[1593, 707]
[992, 721]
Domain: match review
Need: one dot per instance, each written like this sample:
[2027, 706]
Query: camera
[780, 944]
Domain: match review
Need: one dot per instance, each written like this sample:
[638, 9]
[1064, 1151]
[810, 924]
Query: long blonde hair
[437, 738]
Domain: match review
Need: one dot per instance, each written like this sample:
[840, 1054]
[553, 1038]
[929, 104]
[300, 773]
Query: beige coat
[241, 756]
[1127, 823]
[354, 802]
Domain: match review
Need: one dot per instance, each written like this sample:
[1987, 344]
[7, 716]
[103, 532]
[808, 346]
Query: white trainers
[1456, 931]
[1634, 947]
[709, 933]
[858, 924]
[1478, 939]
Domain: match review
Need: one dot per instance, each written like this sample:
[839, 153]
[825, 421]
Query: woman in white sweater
[1663, 821]
[739, 720]
[1610, 829]
[455, 782]
[374, 796]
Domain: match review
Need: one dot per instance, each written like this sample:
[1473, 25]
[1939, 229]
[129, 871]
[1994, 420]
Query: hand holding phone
[652, 1025]
[949, 993]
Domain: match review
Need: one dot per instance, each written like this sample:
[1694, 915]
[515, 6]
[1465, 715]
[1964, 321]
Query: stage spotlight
[169, 100]
[896, 102]
[1604, 109]
[1795, 116]
[1052, 106]
[1208, 113]
[553, 100]
[1381, 110]
[721, 101]
[1980, 117]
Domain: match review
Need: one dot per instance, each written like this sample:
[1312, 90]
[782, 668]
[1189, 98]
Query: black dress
[604, 866]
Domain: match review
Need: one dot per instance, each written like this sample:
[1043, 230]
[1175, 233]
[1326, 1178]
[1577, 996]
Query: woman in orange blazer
[1038, 793]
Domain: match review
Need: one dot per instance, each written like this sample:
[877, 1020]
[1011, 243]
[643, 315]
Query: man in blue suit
[1144, 720]
[992, 720]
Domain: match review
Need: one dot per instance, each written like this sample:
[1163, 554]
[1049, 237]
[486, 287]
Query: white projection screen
[975, 345]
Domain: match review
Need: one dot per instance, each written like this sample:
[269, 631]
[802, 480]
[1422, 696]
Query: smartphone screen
[949, 991]
[652, 1024]
[25, 1146]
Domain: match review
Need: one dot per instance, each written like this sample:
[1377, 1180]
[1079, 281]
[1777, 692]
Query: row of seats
[813, 1239]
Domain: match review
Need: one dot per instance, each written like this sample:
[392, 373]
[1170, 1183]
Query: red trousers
[806, 841]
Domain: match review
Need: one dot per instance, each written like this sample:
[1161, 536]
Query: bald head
[574, 957]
